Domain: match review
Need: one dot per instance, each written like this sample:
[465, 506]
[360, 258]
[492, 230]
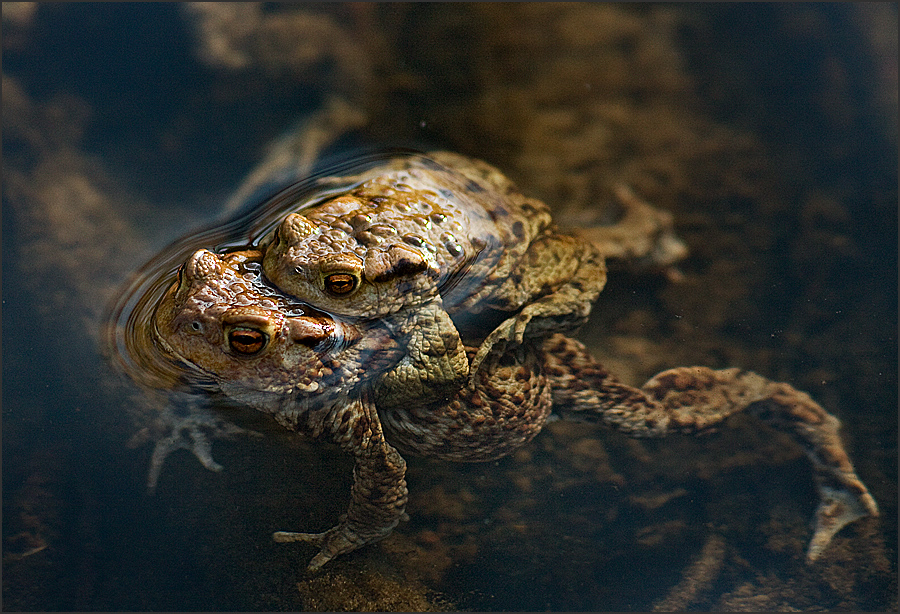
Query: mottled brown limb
[501, 406]
[557, 281]
[695, 399]
[435, 364]
[643, 236]
[378, 495]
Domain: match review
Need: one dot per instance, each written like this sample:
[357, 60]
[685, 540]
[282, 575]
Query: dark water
[119, 138]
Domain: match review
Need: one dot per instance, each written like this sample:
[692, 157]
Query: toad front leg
[694, 399]
[435, 364]
[378, 495]
[551, 291]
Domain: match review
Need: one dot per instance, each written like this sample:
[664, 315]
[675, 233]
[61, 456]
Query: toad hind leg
[378, 495]
[552, 290]
[694, 399]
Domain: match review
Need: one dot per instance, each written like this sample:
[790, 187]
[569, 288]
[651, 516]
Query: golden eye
[247, 341]
[340, 284]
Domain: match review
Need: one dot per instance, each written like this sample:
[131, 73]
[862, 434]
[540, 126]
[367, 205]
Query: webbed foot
[334, 542]
[192, 431]
[378, 495]
[838, 507]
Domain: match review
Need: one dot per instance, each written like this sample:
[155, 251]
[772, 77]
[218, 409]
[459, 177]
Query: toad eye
[247, 341]
[340, 284]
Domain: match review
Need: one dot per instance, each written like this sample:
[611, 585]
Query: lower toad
[376, 388]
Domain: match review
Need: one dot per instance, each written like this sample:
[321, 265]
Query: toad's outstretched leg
[378, 495]
[694, 399]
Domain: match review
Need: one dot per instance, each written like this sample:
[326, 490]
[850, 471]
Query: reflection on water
[125, 126]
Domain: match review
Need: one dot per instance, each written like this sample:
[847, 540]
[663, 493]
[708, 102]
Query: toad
[419, 239]
[342, 327]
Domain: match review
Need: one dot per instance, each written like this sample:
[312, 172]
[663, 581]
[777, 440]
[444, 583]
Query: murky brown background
[770, 131]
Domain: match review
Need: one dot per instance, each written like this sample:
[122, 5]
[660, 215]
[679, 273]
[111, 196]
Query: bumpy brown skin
[312, 373]
[405, 378]
[438, 233]
[405, 232]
